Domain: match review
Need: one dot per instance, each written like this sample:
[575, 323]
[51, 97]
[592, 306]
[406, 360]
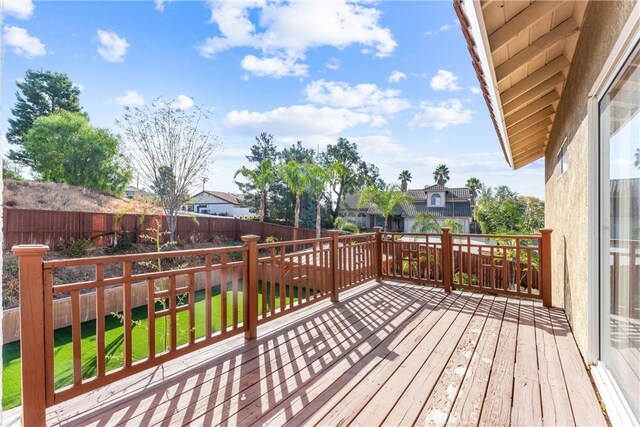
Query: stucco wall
[566, 194]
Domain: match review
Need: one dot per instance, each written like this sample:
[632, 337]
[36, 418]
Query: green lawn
[114, 339]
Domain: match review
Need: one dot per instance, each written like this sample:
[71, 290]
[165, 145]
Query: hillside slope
[61, 197]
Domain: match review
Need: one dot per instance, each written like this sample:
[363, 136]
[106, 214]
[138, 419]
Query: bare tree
[171, 151]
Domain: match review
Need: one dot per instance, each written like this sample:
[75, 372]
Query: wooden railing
[158, 306]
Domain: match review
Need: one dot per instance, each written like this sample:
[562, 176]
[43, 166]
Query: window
[563, 163]
[435, 200]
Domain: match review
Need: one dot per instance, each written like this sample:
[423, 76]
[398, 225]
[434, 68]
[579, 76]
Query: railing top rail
[293, 243]
[355, 236]
[112, 259]
[401, 233]
[501, 236]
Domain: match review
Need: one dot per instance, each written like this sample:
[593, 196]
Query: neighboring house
[562, 84]
[216, 203]
[440, 202]
[135, 193]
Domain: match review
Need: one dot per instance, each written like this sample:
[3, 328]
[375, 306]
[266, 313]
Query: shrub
[350, 228]
[272, 239]
[76, 248]
[123, 246]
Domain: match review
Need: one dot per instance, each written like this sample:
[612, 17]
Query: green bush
[76, 248]
[123, 246]
[350, 228]
[272, 239]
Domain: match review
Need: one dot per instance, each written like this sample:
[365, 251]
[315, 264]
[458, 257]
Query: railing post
[32, 331]
[447, 259]
[378, 254]
[545, 266]
[335, 276]
[250, 289]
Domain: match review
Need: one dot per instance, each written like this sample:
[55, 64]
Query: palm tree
[404, 178]
[386, 201]
[317, 178]
[294, 175]
[441, 174]
[474, 184]
[425, 224]
[261, 179]
[454, 225]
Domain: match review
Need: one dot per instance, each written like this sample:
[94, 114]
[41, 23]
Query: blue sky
[395, 77]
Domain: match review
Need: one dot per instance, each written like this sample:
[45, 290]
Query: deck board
[391, 353]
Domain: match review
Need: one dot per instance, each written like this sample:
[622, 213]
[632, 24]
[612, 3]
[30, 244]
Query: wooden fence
[245, 286]
[52, 228]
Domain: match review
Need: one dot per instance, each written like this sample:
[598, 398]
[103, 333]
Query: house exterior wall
[206, 203]
[566, 210]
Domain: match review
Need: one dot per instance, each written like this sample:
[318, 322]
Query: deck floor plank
[527, 405]
[374, 397]
[312, 405]
[496, 410]
[584, 403]
[391, 353]
[556, 408]
[468, 404]
[438, 407]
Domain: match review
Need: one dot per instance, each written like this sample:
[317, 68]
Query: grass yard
[114, 342]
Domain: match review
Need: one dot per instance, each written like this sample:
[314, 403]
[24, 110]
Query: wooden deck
[392, 354]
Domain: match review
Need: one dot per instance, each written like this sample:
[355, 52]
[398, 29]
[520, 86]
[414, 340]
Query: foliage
[39, 94]
[475, 186]
[425, 223]
[272, 239]
[502, 211]
[124, 245]
[260, 180]
[404, 178]
[441, 174]
[454, 225]
[169, 146]
[75, 248]
[348, 227]
[64, 148]
[10, 171]
[349, 173]
[386, 201]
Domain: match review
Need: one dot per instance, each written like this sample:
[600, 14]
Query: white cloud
[396, 76]
[365, 97]
[286, 30]
[447, 113]
[442, 29]
[333, 64]
[22, 43]
[112, 47]
[274, 66]
[130, 98]
[377, 144]
[300, 120]
[183, 102]
[445, 80]
[475, 90]
[160, 4]
[21, 9]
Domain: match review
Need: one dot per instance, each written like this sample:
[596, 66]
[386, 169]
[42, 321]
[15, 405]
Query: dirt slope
[61, 197]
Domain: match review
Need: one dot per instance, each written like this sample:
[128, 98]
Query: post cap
[334, 232]
[446, 230]
[545, 230]
[250, 238]
[21, 250]
[377, 229]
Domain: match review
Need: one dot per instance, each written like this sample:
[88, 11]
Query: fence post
[335, 276]
[447, 259]
[545, 266]
[378, 253]
[32, 332]
[250, 289]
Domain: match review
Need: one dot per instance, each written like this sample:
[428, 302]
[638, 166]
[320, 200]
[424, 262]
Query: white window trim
[562, 152]
[617, 407]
